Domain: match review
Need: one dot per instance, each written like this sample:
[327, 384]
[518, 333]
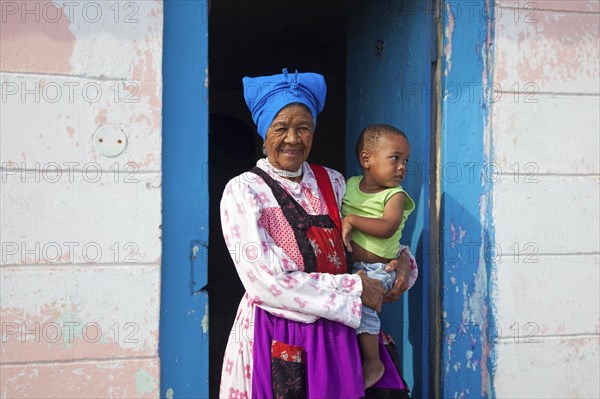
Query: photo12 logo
[72, 11]
[524, 333]
[473, 172]
[471, 11]
[54, 172]
[12, 252]
[76, 91]
[68, 332]
[470, 92]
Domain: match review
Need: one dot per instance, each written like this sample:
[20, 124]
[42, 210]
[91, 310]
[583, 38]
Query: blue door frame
[183, 344]
[467, 233]
[466, 361]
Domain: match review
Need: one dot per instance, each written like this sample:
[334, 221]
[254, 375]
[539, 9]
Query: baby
[375, 208]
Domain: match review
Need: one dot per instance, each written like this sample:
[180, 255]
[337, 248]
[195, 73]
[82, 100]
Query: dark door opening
[254, 38]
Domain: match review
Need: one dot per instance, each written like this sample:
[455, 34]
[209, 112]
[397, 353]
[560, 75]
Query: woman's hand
[402, 267]
[372, 293]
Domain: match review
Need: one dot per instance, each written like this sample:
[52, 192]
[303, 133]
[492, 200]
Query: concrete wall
[545, 127]
[80, 231]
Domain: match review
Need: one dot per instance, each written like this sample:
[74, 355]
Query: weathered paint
[113, 78]
[517, 301]
[93, 196]
[183, 329]
[35, 36]
[467, 230]
[82, 380]
[74, 117]
[45, 319]
[547, 52]
[522, 130]
[79, 277]
[536, 199]
[551, 367]
[145, 383]
[546, 145]
[529, 9]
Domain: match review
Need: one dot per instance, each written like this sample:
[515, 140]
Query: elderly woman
[294, 335]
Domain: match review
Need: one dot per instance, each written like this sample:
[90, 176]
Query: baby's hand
[347, 233]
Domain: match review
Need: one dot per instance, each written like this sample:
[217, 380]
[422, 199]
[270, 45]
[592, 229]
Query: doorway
[256, 38]
[339, 39]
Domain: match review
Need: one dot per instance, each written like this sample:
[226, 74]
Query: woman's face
[289, 138]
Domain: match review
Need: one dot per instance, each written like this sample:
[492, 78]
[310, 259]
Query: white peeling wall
[545, 124]
[80, 211]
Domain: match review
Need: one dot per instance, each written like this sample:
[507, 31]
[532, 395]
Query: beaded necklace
[282, 172]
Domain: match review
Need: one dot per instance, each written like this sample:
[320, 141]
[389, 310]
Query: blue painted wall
[466, 226]
[389, 81]
[183, 344]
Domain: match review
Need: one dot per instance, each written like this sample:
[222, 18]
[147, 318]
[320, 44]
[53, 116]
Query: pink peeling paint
[28, 45]
[574, 38]
[97, 379]
[148, 160]
[145, 73]
[558, 47]
[59, 332]
[102, 117]
[140, 117]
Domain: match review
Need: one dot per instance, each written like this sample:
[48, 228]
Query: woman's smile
[291, 151]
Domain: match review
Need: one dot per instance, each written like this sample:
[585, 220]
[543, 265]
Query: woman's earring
[264, 151]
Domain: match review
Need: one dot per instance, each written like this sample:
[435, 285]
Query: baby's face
[387, 163]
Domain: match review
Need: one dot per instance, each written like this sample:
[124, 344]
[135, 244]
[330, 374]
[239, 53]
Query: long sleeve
[273, 280]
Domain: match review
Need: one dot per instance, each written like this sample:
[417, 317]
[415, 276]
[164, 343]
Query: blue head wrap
[266, 95]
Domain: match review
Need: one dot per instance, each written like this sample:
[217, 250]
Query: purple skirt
[319, 360]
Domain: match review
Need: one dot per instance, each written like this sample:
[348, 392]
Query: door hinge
[199, 258]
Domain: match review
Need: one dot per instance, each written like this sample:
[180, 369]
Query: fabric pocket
[288, 370]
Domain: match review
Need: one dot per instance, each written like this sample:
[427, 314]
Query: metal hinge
[199, 258]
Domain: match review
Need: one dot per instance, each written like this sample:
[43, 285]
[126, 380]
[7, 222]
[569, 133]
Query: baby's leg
[373, 368]
[368, 331]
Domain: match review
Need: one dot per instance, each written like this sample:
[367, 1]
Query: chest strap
[298, 219]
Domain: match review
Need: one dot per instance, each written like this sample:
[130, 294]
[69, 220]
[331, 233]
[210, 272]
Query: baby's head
[383, 151]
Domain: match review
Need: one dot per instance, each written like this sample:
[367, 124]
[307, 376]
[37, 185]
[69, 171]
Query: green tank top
[371, 205]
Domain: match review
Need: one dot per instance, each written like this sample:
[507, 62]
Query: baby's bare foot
[372, 371]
